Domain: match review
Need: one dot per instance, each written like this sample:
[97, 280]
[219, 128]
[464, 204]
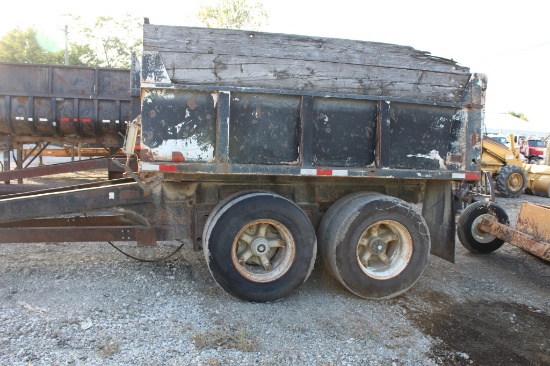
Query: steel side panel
[283, 131]
[179, 125]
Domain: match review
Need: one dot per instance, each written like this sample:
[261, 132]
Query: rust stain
[455, 158]
[475, 139]
[191, 103]
[145, 155]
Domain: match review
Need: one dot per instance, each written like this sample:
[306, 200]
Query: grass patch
[227, 337]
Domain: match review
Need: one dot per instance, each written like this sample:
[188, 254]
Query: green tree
[519, 115]
[29, 46]
[112, 40]
[233, 14]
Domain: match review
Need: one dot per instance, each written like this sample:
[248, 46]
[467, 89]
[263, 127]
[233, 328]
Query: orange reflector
[177, 157]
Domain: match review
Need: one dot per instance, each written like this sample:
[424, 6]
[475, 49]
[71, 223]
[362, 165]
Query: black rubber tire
[227, 224]
[475, 240]
[221, 204]
[354, 219]
[326, 225]
[534, 160]
[506, 184]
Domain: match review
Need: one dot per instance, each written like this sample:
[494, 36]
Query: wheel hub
[384, 249]
[377, 246]
[259, 246]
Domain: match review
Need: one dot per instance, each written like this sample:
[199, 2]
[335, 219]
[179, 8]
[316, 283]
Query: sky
[507, 40]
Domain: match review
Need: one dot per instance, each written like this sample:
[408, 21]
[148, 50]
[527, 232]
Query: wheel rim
[515, 182]
[263, 250]
[384, 249]
[481, 236]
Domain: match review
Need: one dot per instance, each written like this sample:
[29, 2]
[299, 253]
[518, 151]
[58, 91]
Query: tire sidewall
[350, 271]
[466, 221]
[327, 223]
[503, 178]
[232, 219]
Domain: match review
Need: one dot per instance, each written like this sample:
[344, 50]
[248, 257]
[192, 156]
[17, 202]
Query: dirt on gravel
[85, 303]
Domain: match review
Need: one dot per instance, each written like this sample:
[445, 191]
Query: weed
[226, 337]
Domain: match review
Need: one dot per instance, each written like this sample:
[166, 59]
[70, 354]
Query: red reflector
[472, 176]
[75, 120]
[86, 120]
[324, 172]
[167, 168]
[64, 119]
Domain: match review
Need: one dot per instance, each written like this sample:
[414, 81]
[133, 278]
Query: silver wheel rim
[481, 236]
[384, 249]
[263, 250]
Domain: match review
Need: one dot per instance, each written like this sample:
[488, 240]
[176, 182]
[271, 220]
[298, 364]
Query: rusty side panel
[420, 136]
[276, 132]
[181, 122]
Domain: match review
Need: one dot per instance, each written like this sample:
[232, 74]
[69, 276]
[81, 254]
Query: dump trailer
[271, 151]
[59, 104]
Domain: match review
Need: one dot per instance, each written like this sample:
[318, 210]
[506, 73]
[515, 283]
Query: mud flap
[438, 212]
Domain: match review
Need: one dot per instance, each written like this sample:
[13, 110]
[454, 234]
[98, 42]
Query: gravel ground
[85, 303]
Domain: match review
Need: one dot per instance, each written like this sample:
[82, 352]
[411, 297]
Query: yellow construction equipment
[505, 166]
[510, 174]
[538, 179]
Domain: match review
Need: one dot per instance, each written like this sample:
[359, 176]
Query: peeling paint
[215, 98]
[190, 148]
[433, 155]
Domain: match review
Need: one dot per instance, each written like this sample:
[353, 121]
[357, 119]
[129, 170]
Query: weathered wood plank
[242, 67]
[285, 46]
[317, 76]
[203, 56]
